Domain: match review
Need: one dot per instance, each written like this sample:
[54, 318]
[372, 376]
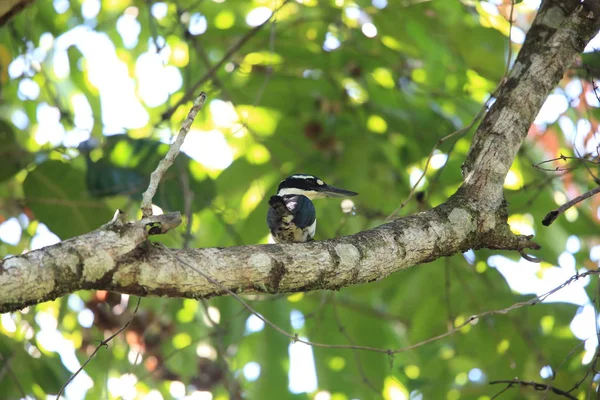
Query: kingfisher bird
[292, 216]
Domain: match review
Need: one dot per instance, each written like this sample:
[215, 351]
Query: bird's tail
[277, 204]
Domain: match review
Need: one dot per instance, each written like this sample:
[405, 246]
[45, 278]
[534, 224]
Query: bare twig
[269, 74]
[435, 147]
[447, 292]
[188, 199]
[231, 384]
[529, 258]
[201, 51]
[189, 93]
[152, 25]
[102, 343]
[594, 87]
[359, 365]
[509, 56]
[7, 367]
[579, 382]
[144, 332]
[552, 215]
[534, 385]
[466, 129]
[173, 152]
[502, 391]
[374, 312]
[581, 159]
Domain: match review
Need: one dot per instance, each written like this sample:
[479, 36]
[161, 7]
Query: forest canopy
[381, 97]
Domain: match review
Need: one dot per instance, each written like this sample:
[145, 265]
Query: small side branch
[534, 385]
[6, 367]
[173, 152]
[103, 343]
[552, 215]
[212, 70]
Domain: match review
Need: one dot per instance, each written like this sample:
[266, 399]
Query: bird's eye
[320, 182]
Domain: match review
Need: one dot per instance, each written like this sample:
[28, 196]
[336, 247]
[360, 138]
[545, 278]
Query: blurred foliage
[355, 92]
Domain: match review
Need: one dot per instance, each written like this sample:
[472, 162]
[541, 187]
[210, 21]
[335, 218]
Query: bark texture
[119, 257]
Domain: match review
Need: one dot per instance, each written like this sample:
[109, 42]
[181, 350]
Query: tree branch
[118, 256]
[552, 215]
[173, 152]
[78, 263]
[558, 35]
[10, 9]
[103, 343]
[535, 386]
[209, 74]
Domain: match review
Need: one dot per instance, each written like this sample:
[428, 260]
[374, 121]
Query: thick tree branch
[77, 263]
[119, 257]
[558, 35]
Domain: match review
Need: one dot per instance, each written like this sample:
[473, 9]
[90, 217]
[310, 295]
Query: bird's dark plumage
[291, 218]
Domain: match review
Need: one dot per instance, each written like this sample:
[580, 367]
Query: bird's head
[311, 187]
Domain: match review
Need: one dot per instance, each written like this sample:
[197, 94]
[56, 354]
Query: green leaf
[57, 195]
[126, 167]
[12, 157]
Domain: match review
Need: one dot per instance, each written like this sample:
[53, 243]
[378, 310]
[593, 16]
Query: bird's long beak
[332, 191]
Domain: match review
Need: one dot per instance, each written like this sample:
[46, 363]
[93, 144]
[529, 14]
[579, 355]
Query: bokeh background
[355, 92]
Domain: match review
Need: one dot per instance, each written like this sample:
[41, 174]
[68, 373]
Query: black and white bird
[292, 216]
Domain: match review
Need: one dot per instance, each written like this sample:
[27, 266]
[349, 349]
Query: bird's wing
[303, 210]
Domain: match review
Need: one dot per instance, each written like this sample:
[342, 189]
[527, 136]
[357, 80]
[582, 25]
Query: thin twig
[576, 150]
[374, 312]
[502, 391]
[565, 158]
[317, 312]
[193, 343]
[295, 338]
[510, 21]
[535, 386]
[7, 367]
[173, 152]
[145, 331]
[231, 384]
[275, 161]
[359, 365]
[219, 84]
[188, 199]
[448, 296]
[556, 169]
[552, 215]
[594, 87]
[592, 370]
[529, 258]
[102, 343]
[579, 382]
[435, 147]
[189, 93]
[462, 130]
[269, 74]
[152, 25]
